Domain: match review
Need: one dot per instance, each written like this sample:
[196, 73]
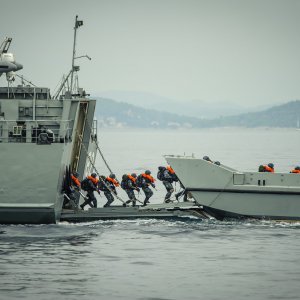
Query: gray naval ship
[228, 193]
[42, 139]
[45, 138]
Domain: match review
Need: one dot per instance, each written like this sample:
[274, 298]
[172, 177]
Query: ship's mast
[74, 68]
[68, 83]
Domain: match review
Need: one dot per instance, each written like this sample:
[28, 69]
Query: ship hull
[27, 215]
[31, 182]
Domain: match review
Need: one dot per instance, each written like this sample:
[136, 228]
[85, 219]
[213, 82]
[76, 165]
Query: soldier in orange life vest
[296, 170]
[129, 185]
[75, 181]
[167, 176]
[112, 183]
[75, 186]
[266, 168]
[143, 181]
[70, 198]
[90, 184]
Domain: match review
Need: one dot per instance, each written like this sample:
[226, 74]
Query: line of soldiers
[129, 183]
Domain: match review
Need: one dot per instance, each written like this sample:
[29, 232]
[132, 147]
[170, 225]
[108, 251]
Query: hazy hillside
[111, 113]
[191, 108]
[286, 115]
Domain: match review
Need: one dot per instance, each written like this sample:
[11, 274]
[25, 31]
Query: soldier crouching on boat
[108, 186]
[128, 184]
[167, 176]
[144, 181]
[296, 170]
[70, 186]
[267, 168]
[90, 185]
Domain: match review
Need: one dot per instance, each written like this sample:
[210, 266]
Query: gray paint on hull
[32, 215]
[239, 193]
[32, 178]
[249, 204]
[30, 172]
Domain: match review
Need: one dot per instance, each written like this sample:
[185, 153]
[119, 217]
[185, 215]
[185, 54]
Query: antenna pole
[77, 24]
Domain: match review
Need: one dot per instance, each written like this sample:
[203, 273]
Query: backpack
[85, 185]
[175, 178]
[123, 185]
[160, 175]
[139, 181]
[124, 182]
[101, 186]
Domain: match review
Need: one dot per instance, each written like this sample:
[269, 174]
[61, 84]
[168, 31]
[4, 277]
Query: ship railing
[38, 131]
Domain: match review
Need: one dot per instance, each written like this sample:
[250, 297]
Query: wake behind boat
[225, 192]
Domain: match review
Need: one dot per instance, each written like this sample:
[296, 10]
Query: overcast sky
[242, 51]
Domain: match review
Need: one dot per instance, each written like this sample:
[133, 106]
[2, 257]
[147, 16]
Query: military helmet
[94, 175]
[297, 168]
[133, 175]
[217, 163]
[161, 168]
[271, 165]
[113, 176]
[76, 174]
[206, 158]
[147, 172]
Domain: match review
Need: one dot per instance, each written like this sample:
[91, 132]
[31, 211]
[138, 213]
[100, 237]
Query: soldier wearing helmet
[266, 168]
[296, 170]
[128, 184]
[144, 181]
[90, 185]
[110, 189]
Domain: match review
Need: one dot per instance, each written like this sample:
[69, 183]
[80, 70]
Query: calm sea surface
[156, 259]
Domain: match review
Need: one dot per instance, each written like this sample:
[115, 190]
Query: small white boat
[225, 192]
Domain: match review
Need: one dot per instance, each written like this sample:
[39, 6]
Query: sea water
[157, 259]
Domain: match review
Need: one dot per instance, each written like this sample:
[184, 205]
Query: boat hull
[249, 204]
[225, 192]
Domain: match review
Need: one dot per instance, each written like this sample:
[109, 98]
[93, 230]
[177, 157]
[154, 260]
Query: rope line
[94, 168]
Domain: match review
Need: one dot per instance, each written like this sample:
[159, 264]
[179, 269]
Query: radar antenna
[8, 65]
[5, 45]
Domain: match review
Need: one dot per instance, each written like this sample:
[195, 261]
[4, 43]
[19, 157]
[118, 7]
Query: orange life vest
[131, 178]
[94, 180]
[149, 177]
[170, 169]
[295, 171]
[268, 169]
[75, 180]
[113, 181]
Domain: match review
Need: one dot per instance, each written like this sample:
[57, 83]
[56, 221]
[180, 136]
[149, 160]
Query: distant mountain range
[111, 113]
[191, 108]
